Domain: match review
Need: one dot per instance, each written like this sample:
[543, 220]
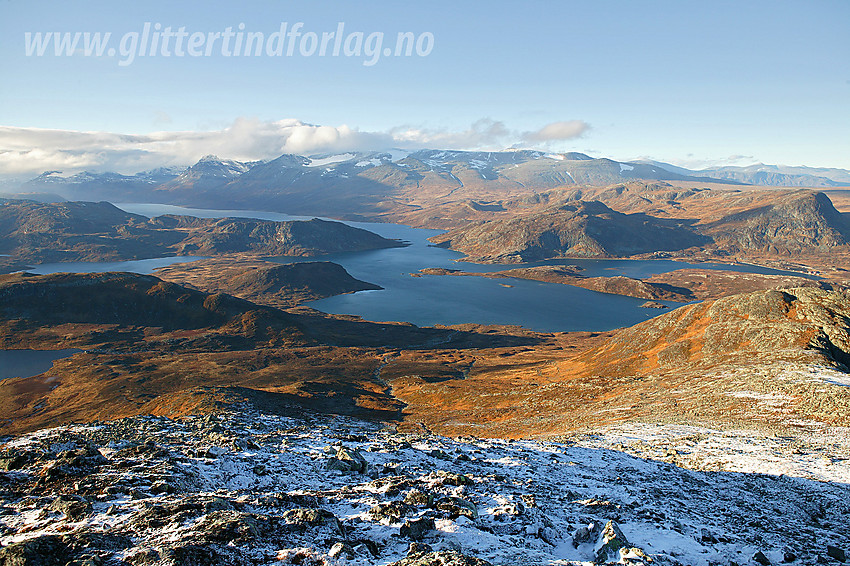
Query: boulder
[442, 477]
[347, 460]
[304, 518]
[417, 497]
[416, 529]
[47, 550]
[612, 546]
[73, 507]
[393, 511]
[456, 507]
[836, 552]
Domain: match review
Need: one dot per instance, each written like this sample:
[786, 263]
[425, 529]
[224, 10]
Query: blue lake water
[142, 266]
[27, 363]
[435, 299]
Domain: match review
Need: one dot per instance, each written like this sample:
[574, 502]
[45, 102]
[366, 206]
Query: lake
[142, 266]
[434, 299]
[27, 363]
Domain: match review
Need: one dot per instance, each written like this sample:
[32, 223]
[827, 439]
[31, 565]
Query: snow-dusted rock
[149, 492]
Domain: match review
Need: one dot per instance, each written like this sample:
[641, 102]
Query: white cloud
[482, 134]
[33, 150]
[557, 131]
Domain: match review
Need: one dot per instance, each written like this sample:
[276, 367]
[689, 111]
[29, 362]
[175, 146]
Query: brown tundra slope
[155, 347]
[772, 358]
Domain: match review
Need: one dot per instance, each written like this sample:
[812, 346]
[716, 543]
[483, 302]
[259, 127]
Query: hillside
[152, 346]
[795, 223]
[581, 229]
[768, 358]
[76, 231]
[155, 347]
[35, 302]
[658, 218]
[84, 231]
[762, 328]
[264, 282]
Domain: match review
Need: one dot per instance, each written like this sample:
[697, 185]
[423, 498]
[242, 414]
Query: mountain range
[369, 183]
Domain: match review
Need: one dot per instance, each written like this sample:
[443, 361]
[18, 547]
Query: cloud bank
[557, 131]
[32, 150]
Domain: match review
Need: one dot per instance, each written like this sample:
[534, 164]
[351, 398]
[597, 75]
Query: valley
[657, 320]
[431, 283]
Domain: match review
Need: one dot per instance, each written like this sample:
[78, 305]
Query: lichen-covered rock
[47, 550]
[418, 497]
[442, 477]
[346, 460]
[417, 529]
[306, 518]
[392, 511]
[73, 507]
[455, 507]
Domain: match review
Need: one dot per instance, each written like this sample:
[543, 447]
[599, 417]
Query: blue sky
[692, 83]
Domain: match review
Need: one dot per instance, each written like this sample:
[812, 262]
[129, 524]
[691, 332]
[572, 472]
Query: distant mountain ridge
[767, 175]
[360, 185]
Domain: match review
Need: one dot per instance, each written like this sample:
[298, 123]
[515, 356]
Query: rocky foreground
[251, 488]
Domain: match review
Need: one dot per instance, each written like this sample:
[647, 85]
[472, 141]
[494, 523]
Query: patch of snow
[758, 396]
[331, 159]
[626, 167]
[478, 164]
[816, 373]
[368, 162]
